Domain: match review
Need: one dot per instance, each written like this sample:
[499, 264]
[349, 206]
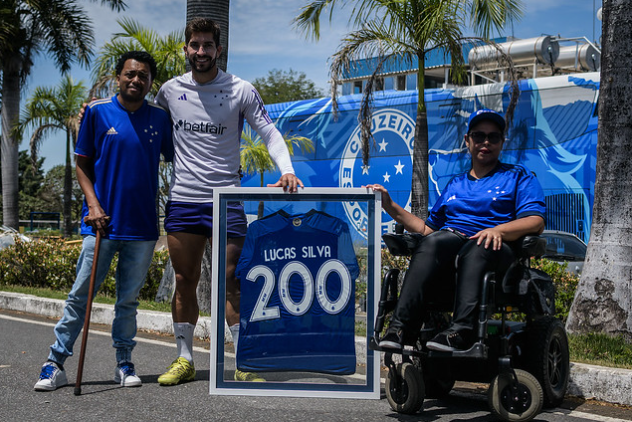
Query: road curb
[588, 381]
[160, 322]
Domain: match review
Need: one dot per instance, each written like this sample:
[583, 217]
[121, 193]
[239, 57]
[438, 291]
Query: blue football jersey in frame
[297, 275]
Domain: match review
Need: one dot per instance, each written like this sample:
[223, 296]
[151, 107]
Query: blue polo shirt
[469, 205]
[126, 148]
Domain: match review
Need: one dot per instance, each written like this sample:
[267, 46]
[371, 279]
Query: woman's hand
[410, 222]
[492, 236]
[386, 198]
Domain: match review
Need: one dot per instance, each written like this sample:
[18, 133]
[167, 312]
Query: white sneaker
[51, 378]
[126, 376]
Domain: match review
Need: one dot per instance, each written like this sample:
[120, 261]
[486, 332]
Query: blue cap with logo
[486, 114]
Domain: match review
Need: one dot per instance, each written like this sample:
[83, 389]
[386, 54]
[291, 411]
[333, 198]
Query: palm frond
[116, 5]
[308, 21]
[488, 16]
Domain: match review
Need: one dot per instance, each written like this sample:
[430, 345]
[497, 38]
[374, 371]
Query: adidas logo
[112, 131]
[182, 97]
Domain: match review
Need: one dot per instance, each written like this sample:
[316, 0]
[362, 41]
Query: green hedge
[51, 264]
[565, 285]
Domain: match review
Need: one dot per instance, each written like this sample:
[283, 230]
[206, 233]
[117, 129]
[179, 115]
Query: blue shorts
[198, 218]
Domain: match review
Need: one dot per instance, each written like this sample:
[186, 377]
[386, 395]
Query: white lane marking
[143, 340]
[590, 416]
[107, 334]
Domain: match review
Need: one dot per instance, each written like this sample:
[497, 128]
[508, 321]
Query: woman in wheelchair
[466, 234]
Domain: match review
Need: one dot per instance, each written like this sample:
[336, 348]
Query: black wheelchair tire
[406, 396]
[497, 398]
[548, 358]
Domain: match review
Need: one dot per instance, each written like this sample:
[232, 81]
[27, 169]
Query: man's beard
[205, 68]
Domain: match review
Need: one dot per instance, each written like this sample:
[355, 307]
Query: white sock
[234, 330]
[184, 339]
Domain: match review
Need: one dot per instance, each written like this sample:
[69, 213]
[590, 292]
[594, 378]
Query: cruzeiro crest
[390, 164]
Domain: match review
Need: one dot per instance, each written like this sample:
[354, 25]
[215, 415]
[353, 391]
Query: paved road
[24, 341]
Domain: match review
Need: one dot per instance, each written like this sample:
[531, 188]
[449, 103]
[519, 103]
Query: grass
[594, 349]
[601, 349]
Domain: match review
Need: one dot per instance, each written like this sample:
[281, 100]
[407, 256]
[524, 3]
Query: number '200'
[264, 312]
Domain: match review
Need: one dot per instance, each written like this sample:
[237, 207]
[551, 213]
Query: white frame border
[259, 389]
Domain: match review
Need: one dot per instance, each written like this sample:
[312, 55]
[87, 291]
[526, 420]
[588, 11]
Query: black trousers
[446, 263]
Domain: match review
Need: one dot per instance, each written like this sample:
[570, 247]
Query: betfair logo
[200, 127]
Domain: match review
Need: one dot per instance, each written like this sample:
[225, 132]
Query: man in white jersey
[208, 107]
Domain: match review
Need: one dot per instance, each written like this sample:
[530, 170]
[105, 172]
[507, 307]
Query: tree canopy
[50, 109]
[280, 86]
[59, 29]
[167, 51]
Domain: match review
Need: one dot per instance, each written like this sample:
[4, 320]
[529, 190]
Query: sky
[262, 38]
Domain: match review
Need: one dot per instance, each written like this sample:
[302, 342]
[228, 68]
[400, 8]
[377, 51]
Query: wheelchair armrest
[401, 244]
[532, 245]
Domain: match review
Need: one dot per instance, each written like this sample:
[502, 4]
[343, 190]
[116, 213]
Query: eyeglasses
[492, 137]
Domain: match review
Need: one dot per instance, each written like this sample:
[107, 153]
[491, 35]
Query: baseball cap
[486, 114]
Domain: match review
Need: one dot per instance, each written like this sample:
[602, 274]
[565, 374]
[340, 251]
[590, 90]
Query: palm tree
[255, 157]
[408, 30]
[218, 11]
[167, 51]
[602, 301]
[59, 28]
[49, 110]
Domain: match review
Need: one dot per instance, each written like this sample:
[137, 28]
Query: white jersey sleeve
[257, 117]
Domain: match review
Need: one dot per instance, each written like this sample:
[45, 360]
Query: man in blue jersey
[118, 153]
[208, 108]
[479, 211]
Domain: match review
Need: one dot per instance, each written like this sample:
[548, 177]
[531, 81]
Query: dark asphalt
[24, 341]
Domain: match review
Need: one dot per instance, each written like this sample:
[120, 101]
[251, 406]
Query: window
[401, 83]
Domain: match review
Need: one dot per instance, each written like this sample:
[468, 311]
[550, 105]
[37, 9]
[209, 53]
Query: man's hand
[288, 182]
[83, 110]
[97, 219]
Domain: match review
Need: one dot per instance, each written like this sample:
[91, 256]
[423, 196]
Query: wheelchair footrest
[477, 351]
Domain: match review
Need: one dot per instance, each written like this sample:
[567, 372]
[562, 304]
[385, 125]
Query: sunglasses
[492, 137]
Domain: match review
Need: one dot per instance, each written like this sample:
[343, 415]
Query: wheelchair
[525, 363]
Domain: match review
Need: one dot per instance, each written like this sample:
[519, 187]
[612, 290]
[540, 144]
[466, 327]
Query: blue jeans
[134, 260]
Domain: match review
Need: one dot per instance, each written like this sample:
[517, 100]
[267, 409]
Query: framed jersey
[307, 294]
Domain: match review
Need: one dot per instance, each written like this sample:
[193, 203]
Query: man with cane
[118, 152]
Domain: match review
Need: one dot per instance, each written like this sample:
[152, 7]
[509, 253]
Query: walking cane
[86, 324]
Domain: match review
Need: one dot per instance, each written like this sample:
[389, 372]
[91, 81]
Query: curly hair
[139, 56]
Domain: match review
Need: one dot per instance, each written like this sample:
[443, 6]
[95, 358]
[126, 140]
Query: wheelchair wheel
[548, 358]
[406, 393]
[521, 404]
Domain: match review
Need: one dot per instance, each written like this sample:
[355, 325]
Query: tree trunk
[419, 184]
[217, 10]
[9, 148]
[68, 190]
[603, 301]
